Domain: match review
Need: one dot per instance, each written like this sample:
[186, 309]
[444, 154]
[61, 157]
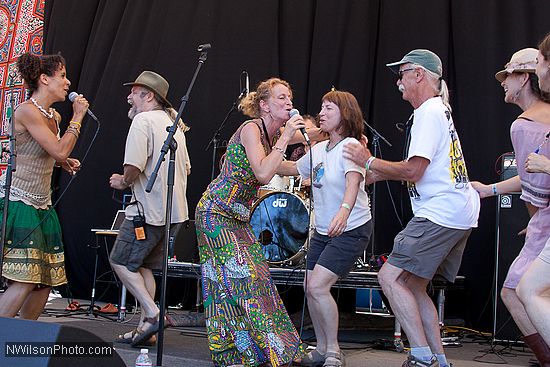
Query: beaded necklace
[327, 149]
[48, 114]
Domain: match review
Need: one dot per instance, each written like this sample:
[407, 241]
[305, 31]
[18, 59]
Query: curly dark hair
[32, 66]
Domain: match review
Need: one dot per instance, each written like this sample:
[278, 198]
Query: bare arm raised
[28, 118]
[264, 166]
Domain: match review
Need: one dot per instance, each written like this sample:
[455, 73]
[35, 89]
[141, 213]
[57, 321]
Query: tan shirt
[143, 144]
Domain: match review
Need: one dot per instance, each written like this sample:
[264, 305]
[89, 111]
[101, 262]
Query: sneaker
[413, 362]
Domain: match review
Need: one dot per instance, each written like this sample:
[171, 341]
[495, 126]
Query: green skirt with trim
[34, 247]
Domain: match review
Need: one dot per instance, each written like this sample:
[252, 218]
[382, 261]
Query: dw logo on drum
[279, 203]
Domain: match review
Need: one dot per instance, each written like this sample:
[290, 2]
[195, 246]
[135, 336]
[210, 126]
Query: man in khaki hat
[444, 204]
[138, 246]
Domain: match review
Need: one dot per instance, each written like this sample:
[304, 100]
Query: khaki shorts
[425, 249]
[133, 253]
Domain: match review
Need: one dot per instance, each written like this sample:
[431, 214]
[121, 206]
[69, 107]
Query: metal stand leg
[122, 305]
[441, 307]
[92, 299]
[397, 341]
[198, 300]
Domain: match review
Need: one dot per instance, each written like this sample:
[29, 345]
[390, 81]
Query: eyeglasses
[401, 72]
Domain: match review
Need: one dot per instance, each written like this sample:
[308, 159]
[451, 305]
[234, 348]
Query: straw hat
[523, 61]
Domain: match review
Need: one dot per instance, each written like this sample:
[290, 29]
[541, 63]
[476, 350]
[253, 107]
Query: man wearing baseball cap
[445, 206]
[138, 246]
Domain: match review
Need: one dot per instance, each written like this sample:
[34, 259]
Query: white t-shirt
[143, 144]
[443, 194]
[329, 185]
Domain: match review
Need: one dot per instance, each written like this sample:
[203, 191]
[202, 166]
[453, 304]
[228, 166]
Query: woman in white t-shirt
[342, 218]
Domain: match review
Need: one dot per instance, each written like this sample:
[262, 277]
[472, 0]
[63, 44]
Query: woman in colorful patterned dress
[246, 321]
[33, 256]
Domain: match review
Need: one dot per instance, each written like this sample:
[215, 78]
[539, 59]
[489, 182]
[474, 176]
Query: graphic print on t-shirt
[318, 173]
[413, 192]
[457, 168]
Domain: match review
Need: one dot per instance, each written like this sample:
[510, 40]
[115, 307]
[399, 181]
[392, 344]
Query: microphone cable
[54, 205]
[306, 245]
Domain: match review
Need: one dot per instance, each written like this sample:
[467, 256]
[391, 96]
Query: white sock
[422, 353]
[442, 360]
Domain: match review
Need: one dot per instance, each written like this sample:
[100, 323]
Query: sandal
[312, 359]
[144, 335]
[109, 308]
[128, 337]
[334, 359]
[73, 306]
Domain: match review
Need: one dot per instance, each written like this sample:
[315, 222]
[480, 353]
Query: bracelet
[494, 188]
[280, 151]
[73, 122]
[125, 183]
[346, 205]
[369, 162]
[72, 130]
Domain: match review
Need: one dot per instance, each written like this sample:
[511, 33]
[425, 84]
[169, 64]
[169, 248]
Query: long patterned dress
[246, 320]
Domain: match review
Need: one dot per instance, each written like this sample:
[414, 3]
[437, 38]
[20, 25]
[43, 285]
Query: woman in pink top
[528, 133]
[534, 286]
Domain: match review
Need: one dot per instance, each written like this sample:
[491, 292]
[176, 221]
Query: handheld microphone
[72, 97]
[205, 47]
[293, 112]
[247, 84]
[244, 91]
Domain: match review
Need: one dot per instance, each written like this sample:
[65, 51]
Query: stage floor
[187, 346]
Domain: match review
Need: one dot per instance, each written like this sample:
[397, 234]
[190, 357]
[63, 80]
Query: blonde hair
[250, 105]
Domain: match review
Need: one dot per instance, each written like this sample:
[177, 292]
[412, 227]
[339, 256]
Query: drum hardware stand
[171, 145]
[376, 150]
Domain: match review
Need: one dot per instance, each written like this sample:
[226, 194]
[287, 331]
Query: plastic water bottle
[143, 359]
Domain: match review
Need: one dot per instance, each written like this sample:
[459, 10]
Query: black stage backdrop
[314, 45]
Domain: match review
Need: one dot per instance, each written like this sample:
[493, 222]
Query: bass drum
[280, 223]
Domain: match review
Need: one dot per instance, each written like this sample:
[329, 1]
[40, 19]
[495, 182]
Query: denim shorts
[338, 254]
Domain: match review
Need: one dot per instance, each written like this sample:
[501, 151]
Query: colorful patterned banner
[21, 30]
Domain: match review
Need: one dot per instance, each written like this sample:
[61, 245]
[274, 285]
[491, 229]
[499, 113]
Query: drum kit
[281, 220]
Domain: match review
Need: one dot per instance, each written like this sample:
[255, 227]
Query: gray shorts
[133, 253]
[545, 253]
[338, 254]
[425, 249]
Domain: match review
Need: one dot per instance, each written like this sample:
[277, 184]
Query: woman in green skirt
[33, 253]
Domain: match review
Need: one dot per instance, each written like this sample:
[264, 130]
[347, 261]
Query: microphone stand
[170, 144]
[9, 170]
[376, 150]
[216, 137]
